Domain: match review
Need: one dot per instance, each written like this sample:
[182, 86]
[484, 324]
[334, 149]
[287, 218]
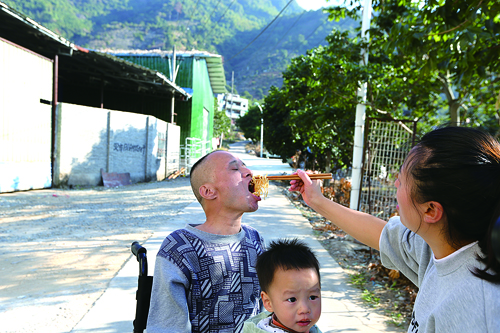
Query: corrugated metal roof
[24, 31]
[214, 62]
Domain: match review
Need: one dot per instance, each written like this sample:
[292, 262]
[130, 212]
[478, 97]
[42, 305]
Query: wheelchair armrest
[140, 253]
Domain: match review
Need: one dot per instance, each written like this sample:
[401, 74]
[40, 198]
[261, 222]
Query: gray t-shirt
[450, 297]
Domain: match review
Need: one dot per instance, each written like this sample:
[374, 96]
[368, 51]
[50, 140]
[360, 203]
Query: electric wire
[312, 33]
[286, 33]
[215, 7]
[269, 34]
[194, 12]
[216, 23]
[262, 30]
[263, 44]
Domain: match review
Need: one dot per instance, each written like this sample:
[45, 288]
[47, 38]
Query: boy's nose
[304, 308]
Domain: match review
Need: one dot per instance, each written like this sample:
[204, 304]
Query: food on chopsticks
[261, 183]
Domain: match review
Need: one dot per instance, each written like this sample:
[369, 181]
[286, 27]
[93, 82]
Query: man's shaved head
[200, 174]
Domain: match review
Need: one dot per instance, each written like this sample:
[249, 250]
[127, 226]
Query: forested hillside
[240, 30]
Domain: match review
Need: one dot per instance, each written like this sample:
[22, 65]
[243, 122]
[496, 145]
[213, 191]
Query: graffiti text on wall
[121, 147]
[161, 144]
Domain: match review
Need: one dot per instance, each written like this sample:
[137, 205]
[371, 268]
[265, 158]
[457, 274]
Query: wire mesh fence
[387, 143]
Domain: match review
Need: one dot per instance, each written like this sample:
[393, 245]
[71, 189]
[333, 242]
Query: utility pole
[359, 127]
[261, 129]
[173, 73]
[232, 81]
[232, 97]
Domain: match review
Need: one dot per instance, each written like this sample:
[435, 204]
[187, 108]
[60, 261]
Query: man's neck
[221, 226]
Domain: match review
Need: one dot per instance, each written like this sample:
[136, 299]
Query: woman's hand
[309, 189]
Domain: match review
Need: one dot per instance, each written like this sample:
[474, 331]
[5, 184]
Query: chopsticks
[296, 177]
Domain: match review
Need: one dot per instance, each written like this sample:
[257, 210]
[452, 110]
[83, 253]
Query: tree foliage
[313, 108]
[426, 60]
[454, 45]
[222, 123]
[250, 124]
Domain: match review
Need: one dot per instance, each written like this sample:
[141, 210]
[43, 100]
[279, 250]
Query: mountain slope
[227, 27]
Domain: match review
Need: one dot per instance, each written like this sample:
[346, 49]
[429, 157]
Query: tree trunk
[328, 167]
[453, 103]
[454, 113]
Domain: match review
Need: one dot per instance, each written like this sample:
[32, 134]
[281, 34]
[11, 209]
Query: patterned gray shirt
[217, 272]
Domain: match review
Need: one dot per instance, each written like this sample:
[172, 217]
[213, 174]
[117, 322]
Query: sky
[316, 4]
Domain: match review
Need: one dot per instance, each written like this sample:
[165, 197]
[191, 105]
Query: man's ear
[266, 301]
[208, 192]
[433, 212]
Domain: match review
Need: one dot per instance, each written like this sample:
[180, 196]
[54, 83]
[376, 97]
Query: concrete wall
[25, 119]
[91, 139]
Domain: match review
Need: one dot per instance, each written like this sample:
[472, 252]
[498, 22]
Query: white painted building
[234, 105]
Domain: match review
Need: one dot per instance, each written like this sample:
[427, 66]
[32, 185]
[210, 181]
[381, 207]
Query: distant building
[234, 105]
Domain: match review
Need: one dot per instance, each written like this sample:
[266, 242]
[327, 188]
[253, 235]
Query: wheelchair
[145, 282]
[144, 286]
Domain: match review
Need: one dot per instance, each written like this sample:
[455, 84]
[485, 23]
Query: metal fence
[387, 143]
[192, 150]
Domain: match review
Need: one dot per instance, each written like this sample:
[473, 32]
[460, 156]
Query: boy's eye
[292, 299]
[313, 297]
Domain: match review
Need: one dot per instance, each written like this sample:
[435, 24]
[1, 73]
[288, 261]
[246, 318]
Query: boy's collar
[275, 322]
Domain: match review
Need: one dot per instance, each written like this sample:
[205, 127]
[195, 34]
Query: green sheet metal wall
[201, 102]
[162, 64]
[192, 115]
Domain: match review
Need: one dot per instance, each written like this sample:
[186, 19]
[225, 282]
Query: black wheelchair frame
[144, 286]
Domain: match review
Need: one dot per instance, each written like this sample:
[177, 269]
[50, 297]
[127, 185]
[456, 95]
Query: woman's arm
[364, 227]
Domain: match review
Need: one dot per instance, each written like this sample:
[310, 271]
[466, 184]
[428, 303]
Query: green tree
[453, 44]
[222, 123]
[249, 124]
[319, 96]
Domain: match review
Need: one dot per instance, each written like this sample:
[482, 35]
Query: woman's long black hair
[460, 168]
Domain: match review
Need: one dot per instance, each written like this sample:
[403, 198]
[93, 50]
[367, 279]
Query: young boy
[290, 285]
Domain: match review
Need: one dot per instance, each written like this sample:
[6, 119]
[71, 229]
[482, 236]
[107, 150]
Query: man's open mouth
[251, 187]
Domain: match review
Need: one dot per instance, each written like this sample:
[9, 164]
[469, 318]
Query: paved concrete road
[343, 310]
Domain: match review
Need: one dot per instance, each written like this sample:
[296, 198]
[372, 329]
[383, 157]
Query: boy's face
[295, 298]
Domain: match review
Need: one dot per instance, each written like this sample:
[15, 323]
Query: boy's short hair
[285, 254]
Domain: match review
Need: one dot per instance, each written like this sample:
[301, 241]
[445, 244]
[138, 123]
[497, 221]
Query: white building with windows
[234, 105]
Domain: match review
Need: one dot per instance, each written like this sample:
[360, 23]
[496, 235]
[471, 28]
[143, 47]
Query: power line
[297, 20]
[255, 53]
[269, 35]
[312, 33]
[195, 10]
[289, 2]
[263, 44]
[216, 23]
[215, 7]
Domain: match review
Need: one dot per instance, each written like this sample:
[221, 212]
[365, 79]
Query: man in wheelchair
[205, 278]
